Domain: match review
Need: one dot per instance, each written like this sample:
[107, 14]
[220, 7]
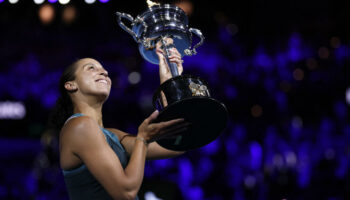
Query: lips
[102, 81]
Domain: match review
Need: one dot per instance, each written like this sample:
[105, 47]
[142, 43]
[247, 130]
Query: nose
[104, 73]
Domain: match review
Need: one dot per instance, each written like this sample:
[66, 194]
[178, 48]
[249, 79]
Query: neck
[93, 110]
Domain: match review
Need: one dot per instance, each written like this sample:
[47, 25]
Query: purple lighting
[52, 1]
[104, 1]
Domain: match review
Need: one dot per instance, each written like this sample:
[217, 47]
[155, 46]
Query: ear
[70, 86]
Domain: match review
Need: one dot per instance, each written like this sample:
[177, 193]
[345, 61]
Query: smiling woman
[98, 162]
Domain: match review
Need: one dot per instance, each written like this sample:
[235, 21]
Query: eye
[90, 67]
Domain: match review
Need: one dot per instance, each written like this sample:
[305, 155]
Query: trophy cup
[182, 96]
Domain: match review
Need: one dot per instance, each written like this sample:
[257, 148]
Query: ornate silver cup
[182, 96]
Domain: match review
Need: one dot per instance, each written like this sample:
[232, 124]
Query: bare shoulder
[80, 129]
[79, 125]
[78, 137]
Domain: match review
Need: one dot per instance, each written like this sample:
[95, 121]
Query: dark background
[280, 67]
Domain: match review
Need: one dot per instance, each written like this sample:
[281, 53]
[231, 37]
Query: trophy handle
[124, 27]
[198, 33]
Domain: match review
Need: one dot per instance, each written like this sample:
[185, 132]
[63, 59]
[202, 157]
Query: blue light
[256, 153]
[294, 51]
[195, 193]
[231, 92]
[340, 109]
[263, 60]
[212, 148]
[185, 173]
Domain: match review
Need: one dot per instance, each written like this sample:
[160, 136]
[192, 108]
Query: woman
[98, 162]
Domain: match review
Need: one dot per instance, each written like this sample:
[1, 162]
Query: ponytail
[64, 105]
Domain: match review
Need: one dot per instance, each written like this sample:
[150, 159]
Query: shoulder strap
[73, 116]
[79, 115]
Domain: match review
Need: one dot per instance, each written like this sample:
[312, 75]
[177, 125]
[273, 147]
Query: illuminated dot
[220, 18]
[335, 42]
[329, 154]
[186, 6]
[13, 1]
[347, 96]
[63, 1]
[145, 102]
[69, 14]
[298, 74]
[311, 63]
[134, 77]
[12, 110]
[39, 1]
[232, 29]
[249, 182]
[90, 1]
[46, 13]
[291, 159]
[278, 160]
[256, 111]
[150, 195]
[285, 86]
[297, 122]
[323, 52]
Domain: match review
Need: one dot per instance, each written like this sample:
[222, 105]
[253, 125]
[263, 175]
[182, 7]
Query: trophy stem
[166, 49]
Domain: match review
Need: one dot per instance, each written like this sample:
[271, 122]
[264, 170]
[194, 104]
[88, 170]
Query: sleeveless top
[81, 184]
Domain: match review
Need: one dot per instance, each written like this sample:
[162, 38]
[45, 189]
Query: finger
[165, 124]
[160, 51]
[174, 51]
[173, 134]
[161, 56]
[178, 63]
[176, 60]
[176, 127]
[175, 57]
[152, 117]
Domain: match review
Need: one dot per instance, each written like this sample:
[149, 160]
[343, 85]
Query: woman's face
[92, 79]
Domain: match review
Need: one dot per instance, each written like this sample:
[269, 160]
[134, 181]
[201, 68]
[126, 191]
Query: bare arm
[84, 139]
[154, 151]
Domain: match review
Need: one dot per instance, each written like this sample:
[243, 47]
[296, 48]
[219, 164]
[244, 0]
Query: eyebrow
[88, 64]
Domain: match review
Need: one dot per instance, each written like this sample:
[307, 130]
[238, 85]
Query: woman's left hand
[175, 57]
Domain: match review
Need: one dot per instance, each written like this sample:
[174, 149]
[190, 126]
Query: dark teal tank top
[81, 184]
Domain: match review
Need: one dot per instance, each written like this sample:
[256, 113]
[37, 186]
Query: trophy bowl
[161, 20]
[188, 97]
[182, 96]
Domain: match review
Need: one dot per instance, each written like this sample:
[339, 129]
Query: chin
[103, 97]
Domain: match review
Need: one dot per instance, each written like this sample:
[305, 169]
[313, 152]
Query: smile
[102, 81]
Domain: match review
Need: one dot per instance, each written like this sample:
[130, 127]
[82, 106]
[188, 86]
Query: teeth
[102, 81]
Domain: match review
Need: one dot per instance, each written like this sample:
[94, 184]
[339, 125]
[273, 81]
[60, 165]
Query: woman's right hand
[154, 131]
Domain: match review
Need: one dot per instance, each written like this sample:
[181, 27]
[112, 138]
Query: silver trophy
[182, 96]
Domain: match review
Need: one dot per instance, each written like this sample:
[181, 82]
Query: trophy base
[208, 118]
